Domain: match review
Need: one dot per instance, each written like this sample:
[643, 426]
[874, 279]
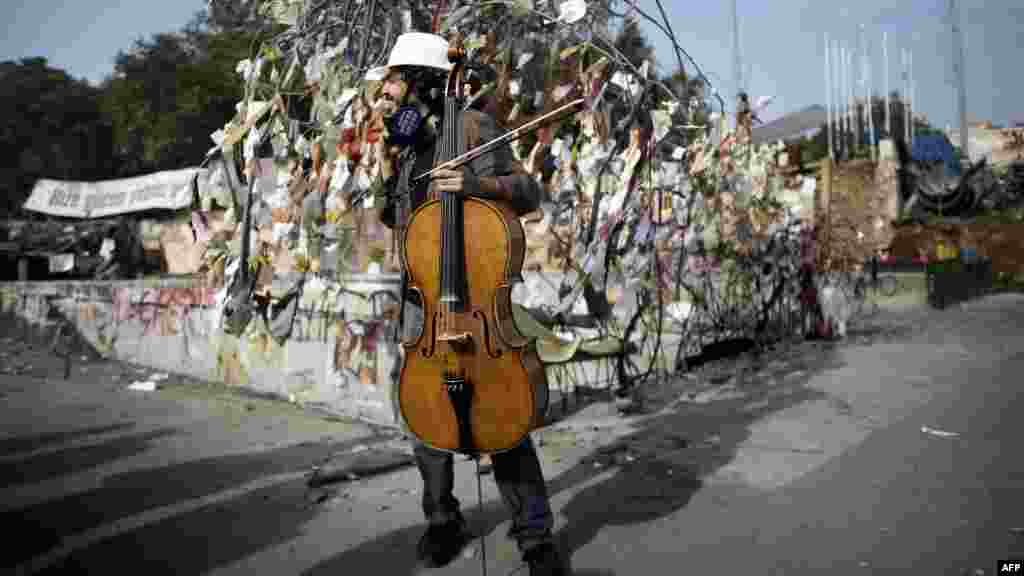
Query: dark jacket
[478, 128]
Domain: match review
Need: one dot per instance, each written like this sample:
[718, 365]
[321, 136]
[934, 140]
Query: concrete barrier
[340, 355]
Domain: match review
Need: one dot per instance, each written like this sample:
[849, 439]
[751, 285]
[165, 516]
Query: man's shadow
[660, 467]
[657, 470]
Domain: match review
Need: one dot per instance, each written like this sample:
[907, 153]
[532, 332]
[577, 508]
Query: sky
[782, 43]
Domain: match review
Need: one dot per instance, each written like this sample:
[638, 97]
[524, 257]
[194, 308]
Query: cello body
[470, 382]
[509, 388]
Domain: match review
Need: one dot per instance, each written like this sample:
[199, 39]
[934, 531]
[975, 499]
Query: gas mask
[404, 125]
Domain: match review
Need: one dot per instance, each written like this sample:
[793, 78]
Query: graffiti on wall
[160, 311]
[355, 351]
[341, 341]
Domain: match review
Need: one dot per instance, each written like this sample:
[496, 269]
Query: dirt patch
[1003, 242]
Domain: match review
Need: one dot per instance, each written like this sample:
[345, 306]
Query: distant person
[128, 247]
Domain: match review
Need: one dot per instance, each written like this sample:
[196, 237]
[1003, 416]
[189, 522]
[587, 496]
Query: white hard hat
[415, 49]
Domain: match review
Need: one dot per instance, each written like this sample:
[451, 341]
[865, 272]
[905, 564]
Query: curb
[376, 457]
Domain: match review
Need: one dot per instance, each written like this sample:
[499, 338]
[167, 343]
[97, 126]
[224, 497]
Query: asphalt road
[897, 452]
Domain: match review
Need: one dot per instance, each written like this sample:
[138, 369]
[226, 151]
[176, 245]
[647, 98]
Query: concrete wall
[339, 354]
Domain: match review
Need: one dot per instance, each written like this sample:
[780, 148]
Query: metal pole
[851, 103]
[885, 56]
[906, 97]
[858, 80]
[844, 101]
[961, 75]
[737, 63]
[840, 109]
[913, 97]
[828, 96]
[859, 67]
[870, 99]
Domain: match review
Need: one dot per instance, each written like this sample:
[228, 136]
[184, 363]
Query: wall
[863, 204]
[338, 356]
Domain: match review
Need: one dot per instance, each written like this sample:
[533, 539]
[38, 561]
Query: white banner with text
[170, 190]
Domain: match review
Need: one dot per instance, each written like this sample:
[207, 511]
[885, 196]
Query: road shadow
[880, 330]
[32, 469]
[43, 526]
[202, 540]
[564, 405]
[30, 443]
[657, 469]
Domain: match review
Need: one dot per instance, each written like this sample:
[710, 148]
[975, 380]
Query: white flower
[662, 123]
[249, 148]
[572, 11]
[524, 59]
[302, 146]
[621, 79]
[244, 68]
[556, 147]
[314, 69]
[281, 230]
[334, 52]
[347, 95]
[591, 155]
[513, 87]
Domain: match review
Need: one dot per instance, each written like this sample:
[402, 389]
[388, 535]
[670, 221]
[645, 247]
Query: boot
[442, 543]
[544, 560]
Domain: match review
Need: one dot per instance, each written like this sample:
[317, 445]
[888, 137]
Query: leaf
[521, 7]
[270, 53]
[454, 17]
[565, 54]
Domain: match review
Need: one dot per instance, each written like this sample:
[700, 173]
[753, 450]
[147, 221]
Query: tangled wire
[650, 201]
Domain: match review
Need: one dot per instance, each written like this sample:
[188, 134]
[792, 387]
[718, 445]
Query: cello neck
[451, 144]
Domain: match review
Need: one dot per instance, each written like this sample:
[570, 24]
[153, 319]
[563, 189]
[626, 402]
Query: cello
[470, 382]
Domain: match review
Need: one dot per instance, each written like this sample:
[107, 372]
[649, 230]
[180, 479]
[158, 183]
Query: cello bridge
[456, 337]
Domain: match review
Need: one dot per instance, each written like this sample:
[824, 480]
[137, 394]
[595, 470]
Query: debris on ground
[939, 433]
[360, 461]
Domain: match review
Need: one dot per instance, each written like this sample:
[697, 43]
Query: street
[893, 452]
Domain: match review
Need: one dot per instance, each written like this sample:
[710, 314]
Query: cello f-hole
[492, 350]
[428, 352]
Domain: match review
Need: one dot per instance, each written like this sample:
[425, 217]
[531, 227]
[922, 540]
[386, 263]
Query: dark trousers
[520, 482]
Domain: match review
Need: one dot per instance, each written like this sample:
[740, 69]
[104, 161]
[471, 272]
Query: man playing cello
[413, 94]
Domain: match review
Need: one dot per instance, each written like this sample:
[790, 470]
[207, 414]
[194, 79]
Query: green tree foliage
[234, 16]
[52, 127]
[169, 93]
